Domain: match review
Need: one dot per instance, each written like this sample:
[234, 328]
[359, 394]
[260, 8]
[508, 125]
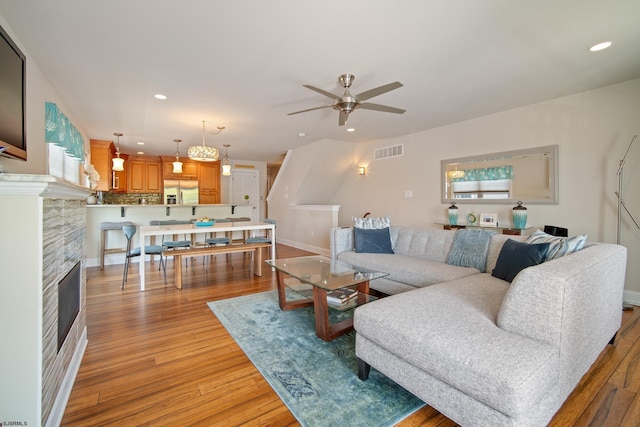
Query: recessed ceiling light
[160, 96]
[140, 143]
[351, 130]
[302, 134]
[141, 152]
[600, 46]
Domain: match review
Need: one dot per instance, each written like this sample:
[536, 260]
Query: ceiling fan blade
[378, 107]
[324, 92]
[378, 91]
[342, 119]
[309, 109]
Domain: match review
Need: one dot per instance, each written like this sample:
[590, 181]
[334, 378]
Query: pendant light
[456, 173]
[226, 167]
[118, 163]
[204, 153]
[177, 165]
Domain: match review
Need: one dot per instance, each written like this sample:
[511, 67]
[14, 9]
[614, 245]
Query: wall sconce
[362, 170]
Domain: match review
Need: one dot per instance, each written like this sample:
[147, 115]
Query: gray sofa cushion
[449, 331]
[431, 244]
[407, 269]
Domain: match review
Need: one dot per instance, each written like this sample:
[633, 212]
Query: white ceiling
[242, 64]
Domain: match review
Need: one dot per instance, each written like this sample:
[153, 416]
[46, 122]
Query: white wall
[225, 183]
[38, 91]
[592, 130]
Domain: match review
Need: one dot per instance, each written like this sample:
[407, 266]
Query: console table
[506, 229]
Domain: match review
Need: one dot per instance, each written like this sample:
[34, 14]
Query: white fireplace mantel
[43, 233]
[41, 185]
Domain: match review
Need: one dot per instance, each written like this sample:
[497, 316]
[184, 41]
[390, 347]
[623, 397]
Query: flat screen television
[12, 98]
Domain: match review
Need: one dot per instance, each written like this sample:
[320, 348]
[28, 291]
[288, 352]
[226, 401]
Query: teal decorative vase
[520, 217]
[453, 214]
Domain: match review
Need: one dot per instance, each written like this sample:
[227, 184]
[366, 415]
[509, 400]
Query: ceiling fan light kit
[204, 153]
[347, 103]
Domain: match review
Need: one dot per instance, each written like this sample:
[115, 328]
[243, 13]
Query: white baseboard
[60, 404]
[631, 297]
[305, 247]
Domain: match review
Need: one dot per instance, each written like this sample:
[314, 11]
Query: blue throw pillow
[515, 256]
[376, 241]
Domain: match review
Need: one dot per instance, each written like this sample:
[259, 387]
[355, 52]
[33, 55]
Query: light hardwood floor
[161, 357]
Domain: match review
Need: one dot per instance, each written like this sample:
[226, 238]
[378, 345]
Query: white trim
[60, 404]
[329, 208]
[631, 297]
[41, 185]
[305, 247]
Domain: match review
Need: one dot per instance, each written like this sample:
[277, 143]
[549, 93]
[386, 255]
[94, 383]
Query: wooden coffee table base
[324, 329]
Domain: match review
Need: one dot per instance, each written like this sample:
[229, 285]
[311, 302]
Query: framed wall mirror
[529, 175]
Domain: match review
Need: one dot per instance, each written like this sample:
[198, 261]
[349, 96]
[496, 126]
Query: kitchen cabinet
[101, 154]
[189, 168]
[209, 182]
[145, 175]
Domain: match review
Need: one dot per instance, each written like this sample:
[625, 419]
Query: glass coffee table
[311, 278]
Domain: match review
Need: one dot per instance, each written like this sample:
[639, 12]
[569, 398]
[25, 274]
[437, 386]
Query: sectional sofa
[479, 349]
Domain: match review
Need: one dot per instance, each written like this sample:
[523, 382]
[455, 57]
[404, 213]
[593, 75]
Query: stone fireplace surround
[43, 224]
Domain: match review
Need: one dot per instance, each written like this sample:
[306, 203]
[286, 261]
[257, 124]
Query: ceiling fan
[348, 103]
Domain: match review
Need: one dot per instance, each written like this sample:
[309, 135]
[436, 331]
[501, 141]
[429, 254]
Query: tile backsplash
[109, 198]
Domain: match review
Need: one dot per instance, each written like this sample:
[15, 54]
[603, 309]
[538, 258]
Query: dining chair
[262, 239]
[172, 244]
[213, 240]
[152, 250]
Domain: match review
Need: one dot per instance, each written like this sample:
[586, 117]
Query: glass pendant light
[177, 165]
[118, 163]
[226, 167]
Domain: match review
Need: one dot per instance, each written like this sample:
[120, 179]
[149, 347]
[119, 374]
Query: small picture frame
[488, 220]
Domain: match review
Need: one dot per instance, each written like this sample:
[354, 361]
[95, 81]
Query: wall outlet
[408, 194]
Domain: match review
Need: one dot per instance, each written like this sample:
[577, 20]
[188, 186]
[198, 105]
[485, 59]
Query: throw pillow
[516, 256]
[558, 246]
[372, 223]
[376, 241]
[469, 248]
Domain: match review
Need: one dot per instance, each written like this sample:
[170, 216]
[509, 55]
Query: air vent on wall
[386, 152]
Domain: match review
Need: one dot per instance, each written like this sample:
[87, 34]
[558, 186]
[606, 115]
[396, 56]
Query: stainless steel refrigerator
[181, 192]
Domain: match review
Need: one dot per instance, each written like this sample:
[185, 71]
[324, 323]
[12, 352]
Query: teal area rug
[317, 380]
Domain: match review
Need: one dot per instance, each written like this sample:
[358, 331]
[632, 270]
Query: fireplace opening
[68, 302]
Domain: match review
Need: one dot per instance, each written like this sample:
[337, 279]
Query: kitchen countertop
[148, 205]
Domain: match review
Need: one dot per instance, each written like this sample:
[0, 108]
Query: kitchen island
[142, 215]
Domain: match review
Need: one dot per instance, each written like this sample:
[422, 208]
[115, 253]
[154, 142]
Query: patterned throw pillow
[558, 246]
[372, 223]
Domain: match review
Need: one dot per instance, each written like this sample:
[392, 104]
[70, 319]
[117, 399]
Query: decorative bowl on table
[204, 223]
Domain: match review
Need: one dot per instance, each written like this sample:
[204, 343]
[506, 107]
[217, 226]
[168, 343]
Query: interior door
[245, 183]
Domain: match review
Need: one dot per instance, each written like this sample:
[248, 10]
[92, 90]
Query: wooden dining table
[151, 231]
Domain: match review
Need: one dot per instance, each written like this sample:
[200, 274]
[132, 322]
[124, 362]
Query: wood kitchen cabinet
[101, 154]
[145, 175]
[189, 168]
[209, 182]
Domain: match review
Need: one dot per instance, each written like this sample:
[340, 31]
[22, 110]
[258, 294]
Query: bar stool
[105, 227]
